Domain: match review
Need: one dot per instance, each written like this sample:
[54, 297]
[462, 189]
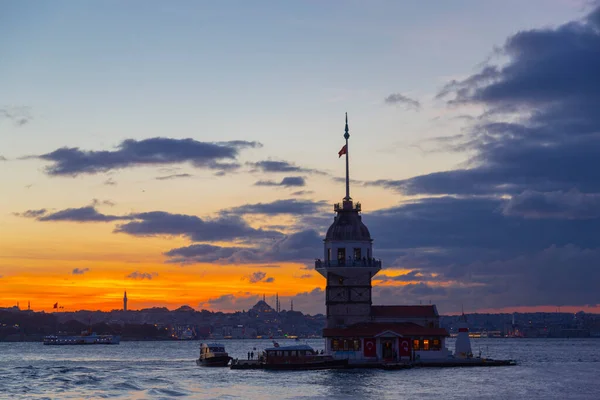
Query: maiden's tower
[356, 329]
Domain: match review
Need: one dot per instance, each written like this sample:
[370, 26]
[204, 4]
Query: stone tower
[125, 301]
[348, 263]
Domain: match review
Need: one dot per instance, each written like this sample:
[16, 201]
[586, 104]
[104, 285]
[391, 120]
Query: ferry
[84, 338]
[213, 355]
[291, 358]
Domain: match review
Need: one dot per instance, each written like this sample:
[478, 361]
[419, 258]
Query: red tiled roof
[428, 311]
[370, 329]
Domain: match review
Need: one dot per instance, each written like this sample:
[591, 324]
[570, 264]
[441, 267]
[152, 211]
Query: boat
[298, 357]
[213, 355]
[85, 338]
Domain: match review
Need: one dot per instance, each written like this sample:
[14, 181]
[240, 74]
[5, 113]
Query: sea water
[547, 369]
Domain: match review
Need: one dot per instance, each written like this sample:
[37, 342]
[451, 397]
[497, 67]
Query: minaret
[348, 263]
[125, 301]
[292, 305]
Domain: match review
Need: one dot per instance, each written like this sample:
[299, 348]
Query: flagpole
[346, 136]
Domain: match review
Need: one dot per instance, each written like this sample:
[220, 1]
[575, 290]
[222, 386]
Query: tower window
[341, 255]
[357, 254]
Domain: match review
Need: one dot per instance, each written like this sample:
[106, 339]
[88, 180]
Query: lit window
[416, 344]
[335, 344]
[426, 344]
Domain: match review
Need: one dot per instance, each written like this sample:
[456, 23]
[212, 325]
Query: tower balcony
[349, 263]
[347, 205]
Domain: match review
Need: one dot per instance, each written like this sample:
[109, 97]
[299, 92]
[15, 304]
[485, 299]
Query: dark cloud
[110, 182]
[80, 271]
[519, 227]
[302, 192]
[225, 228]
[32, 213]
[572, 204]
[137, 275]
[269, 166]
[541, 128]
[259, 276]
[2, 158]
[231, 301]
[173, 176]
[287, 206]
[154, 152]
[83, 214]
[296, 247]
[288, 181]
[399, 99]
[18, 115]
[305, 276]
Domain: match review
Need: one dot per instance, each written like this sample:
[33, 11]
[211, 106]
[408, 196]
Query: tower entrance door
[388, 349]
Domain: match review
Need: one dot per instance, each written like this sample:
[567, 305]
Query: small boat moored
[291, 358]
[213, 355]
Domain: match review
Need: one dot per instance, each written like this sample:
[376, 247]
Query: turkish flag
[370, 348]
[404, 347]
[343, 151]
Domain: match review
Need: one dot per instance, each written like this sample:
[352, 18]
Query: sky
[187, 151]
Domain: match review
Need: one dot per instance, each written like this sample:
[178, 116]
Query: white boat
[84, 338]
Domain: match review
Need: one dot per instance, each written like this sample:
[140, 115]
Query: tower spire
[347, 136]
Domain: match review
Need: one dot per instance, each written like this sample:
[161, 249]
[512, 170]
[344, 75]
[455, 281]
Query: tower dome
[348, 224]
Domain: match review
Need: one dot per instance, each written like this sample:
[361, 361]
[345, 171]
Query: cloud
[288, 181]
[80, 271]
[305, 276]
[259, 276]
[277, 207]
[157, 151]
[2, 158]
[83, 214]
[515, 225]
[540, 130]
[18, 115]
[302, 193]
[136, 275]
[96, 202]
[572, 204]
[173, 176]
[297, 247]
[195, 228]
[231, 302]
[160, 223]
[399, 99]
[110, 182]
[270, 166]
[32, 213]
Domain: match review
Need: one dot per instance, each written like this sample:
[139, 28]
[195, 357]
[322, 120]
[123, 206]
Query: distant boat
[84, 338]
[213, 355]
